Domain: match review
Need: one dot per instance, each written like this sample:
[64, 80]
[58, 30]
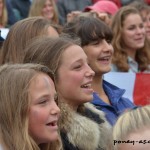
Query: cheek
[35, 116]
[127, 37]
[70, 80]
[76, 78]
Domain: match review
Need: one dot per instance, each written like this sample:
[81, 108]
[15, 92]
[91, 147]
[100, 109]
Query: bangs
[94, 30]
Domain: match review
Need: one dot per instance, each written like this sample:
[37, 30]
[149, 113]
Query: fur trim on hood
[82, 130]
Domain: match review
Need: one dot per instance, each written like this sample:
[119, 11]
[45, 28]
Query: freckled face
[43, 111]
[75, 77]
[133, 33]
[48, 10]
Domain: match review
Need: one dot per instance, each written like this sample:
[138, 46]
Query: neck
[131, 53]
[97, 86]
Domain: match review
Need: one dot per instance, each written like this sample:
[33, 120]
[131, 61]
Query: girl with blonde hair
[132, 130]
[28, 111]
[82, 126]
[45, 8]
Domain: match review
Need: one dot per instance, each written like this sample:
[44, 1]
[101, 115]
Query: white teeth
[86, 86]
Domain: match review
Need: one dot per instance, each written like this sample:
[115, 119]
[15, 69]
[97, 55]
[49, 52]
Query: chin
[106, 70]
[89, 98]
[53, 138]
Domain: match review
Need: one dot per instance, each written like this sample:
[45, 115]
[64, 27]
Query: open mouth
[104, 59]
[86, 86]
[52, 123]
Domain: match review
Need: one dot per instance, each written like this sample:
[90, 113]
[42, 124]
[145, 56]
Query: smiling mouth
[52, 123]
[86, 86]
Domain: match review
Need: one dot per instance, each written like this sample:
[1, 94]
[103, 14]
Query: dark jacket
[66, 6]
[86, 129]
[22, 6]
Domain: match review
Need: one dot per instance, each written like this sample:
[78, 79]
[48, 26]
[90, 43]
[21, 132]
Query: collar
[113, 92]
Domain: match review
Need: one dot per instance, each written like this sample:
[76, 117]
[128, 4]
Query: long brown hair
[18, 37]
[120, 55]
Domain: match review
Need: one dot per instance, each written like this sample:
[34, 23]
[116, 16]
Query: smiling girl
[131, 52]
[28, 111]
[82, 126]
[96, 39]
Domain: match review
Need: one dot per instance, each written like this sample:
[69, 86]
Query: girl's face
[99, 56]
[75, 77]
[133, 33]
[48, 10]
[43, 111]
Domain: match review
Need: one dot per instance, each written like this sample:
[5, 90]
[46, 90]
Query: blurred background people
[144, 10]
[11, 15]
[117, 2]
[21, 8]
[20, 34]
[45, 8]
[69, 6]
[104, 8]
[131, 52]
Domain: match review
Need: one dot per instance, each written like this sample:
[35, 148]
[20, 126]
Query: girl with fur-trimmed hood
[82, 126]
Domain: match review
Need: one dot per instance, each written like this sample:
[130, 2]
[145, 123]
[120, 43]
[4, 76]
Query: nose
[89, 72]
[140, 30]
[55, 109]
[107, 47]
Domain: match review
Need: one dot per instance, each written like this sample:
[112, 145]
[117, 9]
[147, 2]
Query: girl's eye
[43, 101]
[77, 67]
[95, 43]
[131, 28]
[108, 41]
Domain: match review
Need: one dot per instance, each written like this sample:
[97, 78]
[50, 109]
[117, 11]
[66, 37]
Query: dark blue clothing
[66, 6]
[22, 6]
[11, 16]
[118, 103]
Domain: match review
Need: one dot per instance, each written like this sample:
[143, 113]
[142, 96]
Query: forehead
[73, 52]
[129, 19]
[41, 79]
